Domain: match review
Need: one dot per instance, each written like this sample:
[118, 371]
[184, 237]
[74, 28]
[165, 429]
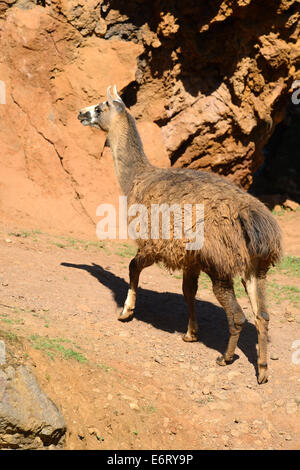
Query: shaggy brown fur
[241, 237]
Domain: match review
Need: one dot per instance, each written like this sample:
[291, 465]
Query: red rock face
[207, 85]
[220, 77]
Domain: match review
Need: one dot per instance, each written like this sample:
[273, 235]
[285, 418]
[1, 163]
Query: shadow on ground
[167, 311]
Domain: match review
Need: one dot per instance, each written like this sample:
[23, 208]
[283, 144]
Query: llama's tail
[262, 233]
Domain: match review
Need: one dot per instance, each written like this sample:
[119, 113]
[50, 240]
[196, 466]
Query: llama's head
[104, 114]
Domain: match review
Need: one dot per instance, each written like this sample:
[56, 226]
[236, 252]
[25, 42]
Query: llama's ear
[109, 97]
[115, 101]
[117, 96]
[118, 103]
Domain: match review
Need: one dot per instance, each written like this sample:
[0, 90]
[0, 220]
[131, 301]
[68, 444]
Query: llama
[241, 235]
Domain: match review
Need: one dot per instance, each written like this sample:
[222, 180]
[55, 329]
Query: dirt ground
[137, 385]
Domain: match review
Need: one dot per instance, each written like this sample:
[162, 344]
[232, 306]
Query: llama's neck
[128, 153]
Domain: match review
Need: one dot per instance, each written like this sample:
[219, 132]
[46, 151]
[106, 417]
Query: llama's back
[238, 228]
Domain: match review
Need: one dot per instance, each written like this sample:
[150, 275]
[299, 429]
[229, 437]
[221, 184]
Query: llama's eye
[97, 109]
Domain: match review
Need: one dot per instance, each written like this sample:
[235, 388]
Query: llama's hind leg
[224, 292]
[136, 265]
[189, 287]
[255, 288]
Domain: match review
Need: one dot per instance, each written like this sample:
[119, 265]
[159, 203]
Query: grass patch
[104, 367]
[280, 212]
[239, 288]
[77, 244]
[126, 251]
[54, 347]
[151, 409]
[9, 336]
[290, 265]
[280, 292]
[178, 276]
[24, 233]
[12, 321]
[204, 281]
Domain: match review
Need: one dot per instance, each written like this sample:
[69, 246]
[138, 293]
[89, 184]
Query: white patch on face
[92, 116]
[92, 120]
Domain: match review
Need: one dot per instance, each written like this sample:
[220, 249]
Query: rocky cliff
[207, 82]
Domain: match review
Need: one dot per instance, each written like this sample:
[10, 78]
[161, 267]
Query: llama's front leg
[135, 267]
[189, 287]
[224, 292]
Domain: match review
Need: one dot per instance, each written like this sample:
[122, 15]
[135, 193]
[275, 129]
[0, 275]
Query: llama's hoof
[190, 338]
[223, 361]
[262, 374]
[126, 315]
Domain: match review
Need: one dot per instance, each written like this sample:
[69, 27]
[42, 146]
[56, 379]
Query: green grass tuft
[126, 251]
[53, 347]
[290, 265]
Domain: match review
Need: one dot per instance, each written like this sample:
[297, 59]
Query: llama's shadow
[168, 311]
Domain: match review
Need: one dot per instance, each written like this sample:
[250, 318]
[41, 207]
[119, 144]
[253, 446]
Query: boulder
[28, 418]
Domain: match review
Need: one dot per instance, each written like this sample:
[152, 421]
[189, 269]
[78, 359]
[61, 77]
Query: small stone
[222, 405]
[156, 43]
[291, 311]
[279, 403]
[124, 334]
[101, 28]
[206, 391]
[292, 205]
[134, 406]
[270, 426]
[256, 422]
[274, 357]
[288, 438]
[10, 372]
[166, 422]
[243, 428]
[226, 387]
[258, 443]
[85, 308]
[265, 434]
[220, 395]
[8, 240]
[291, 407]
[95, 432]
[232, 374]
[147, 374]
[210, 379]
[158, 360]
[126, 397]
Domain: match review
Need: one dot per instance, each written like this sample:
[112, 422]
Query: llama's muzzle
[84, 117]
